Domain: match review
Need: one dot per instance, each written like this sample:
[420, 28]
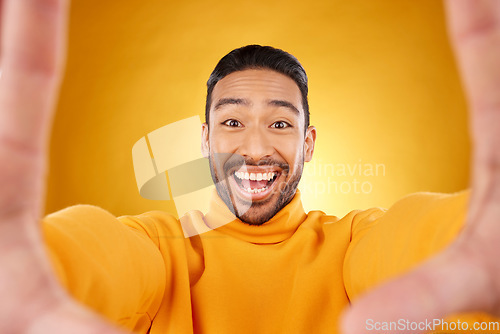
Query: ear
[309, 142]
[204, 140]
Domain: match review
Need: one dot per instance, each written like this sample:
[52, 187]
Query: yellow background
[383, 90]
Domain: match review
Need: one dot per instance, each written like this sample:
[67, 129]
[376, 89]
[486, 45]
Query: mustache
[237, 161]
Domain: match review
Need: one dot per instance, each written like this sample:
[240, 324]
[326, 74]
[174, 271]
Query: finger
[71, 318]
[32, 300]
[467, 18]
[1, 21]
[32, 59]
[450, 283]
[60, 316]
[33, 51]
[474, 27]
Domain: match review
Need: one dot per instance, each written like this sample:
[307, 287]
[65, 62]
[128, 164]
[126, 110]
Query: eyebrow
[286, 104]
[245, 102]
[226, 101]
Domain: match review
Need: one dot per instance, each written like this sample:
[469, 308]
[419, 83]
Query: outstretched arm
[32, 56]
[466, 276]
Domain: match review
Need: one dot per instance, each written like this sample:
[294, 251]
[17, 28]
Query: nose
[256, 144]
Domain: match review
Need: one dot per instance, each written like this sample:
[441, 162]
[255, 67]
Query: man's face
[256, 142]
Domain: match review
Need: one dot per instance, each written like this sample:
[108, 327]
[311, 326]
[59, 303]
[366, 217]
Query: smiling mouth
[255, 183]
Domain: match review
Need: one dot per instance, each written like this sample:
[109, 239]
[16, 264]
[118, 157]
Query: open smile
[255, 183]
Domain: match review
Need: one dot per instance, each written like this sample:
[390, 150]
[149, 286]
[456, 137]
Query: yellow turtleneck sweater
[293, 274]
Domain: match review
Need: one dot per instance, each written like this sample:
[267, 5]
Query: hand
[466, 276]
[32, 53]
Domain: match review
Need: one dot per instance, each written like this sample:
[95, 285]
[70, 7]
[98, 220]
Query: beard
[249, 212]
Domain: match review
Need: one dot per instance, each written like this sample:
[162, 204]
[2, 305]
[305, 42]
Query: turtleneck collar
[281, 227]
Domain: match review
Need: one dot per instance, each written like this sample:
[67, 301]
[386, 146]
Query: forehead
[258, 86]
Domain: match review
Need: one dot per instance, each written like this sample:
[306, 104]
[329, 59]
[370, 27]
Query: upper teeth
[255, 176]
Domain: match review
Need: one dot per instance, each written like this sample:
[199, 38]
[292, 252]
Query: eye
[232, 123]
[280, 125]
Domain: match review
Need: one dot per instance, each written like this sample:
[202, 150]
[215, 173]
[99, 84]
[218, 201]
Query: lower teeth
[255, 191]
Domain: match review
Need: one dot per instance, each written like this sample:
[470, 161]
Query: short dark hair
[259, 57]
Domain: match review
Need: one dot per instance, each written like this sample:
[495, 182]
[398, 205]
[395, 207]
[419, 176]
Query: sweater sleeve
[113, 268]
[417, 227]
[412, 230]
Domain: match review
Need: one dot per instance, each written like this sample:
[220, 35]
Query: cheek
[290, 149]
[221, 142]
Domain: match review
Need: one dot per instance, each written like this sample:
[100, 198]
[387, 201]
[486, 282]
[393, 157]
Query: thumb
[449, 283]
[69, 317]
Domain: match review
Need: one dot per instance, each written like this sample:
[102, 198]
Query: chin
[257, 218]
[252, 213]
[261, 212]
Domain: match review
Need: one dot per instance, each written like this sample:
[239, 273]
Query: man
[257, 123]
[272, 268]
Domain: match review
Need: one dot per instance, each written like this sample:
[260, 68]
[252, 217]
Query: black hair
[259, 57]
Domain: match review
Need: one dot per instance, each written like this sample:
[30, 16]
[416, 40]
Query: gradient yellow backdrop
[384, 91]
